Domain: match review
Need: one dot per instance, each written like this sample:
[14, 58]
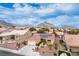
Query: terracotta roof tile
[72, 40]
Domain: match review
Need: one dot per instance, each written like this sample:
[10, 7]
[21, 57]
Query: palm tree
[41, 41]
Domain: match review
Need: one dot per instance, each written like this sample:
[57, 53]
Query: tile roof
[72, 40]
[14, 32]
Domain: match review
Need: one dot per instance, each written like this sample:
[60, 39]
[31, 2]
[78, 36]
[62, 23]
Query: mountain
[46, 25]
[68, 27]
[6, 24]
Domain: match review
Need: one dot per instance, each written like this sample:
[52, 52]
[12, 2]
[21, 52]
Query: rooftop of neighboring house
[21, 27]
[36, 37]
[2, 29]
[59, 33]
[72, 40]
[14, 32]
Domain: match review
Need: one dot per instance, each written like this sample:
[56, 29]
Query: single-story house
[72, 42]
[18, 36]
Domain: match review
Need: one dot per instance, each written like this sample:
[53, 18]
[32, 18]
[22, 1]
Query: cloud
[64, 20]
[26, 8]
[57, 14]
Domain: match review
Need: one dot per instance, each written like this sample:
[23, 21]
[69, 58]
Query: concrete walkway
[6, 53]
[27, 50]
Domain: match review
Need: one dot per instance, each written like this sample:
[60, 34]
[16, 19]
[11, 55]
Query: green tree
[41, 41]
[74, 31]
[43, 30]
[32, 29]
[50, 46]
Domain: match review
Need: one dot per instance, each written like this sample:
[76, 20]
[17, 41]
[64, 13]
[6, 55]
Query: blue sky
[35, 13]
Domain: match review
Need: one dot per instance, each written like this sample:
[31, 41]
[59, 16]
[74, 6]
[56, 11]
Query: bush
[61, 41]
[42, 46]
[41, 41]
[32, 29]
[50, 46]
[74, 31]
[43, 30]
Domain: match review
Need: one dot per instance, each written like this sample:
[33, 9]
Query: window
[49, 40]
[13, 37]
[0, 38]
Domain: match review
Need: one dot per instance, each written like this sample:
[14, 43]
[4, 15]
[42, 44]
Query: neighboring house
[19, 36]
[2, 29]
[31, 42]
[21, 27]
[51, 31]
[72, 42]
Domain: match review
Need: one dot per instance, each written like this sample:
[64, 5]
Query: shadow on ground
[5, 53]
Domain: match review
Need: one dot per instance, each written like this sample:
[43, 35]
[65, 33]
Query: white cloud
[16, 5]
[44, 11]
[30, 15]
[27, 9]
[64, 20]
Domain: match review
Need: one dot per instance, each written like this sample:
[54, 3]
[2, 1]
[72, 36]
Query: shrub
[32, 29]
[42, 46]
[50, 46]
[41, 41]
[74, 31]
[43, 30]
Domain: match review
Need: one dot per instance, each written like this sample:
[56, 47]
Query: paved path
[27, 50]
[5, 53]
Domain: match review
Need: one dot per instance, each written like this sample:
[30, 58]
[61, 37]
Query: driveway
[5, 53]
[27, 51]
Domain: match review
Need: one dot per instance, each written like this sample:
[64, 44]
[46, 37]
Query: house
[14, 36]
[21, 27]
[2, 29]
[72, 42]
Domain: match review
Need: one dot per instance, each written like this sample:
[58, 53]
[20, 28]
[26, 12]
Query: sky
[58, 14]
